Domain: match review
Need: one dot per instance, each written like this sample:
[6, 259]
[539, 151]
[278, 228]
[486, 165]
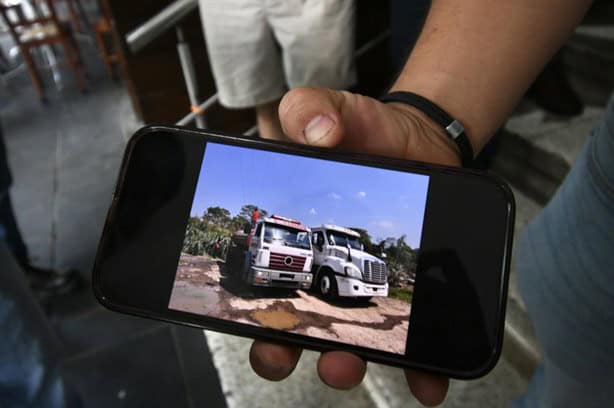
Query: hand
[327, 118]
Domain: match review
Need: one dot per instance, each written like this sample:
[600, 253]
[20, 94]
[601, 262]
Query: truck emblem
[288, 260]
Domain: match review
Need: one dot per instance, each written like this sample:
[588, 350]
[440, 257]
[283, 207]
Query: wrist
[439, 148]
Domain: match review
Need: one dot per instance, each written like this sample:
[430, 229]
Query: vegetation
[400, 258]
[404, 294]
[210, 234]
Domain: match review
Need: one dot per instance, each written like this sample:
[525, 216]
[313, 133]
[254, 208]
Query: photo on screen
[303, 245]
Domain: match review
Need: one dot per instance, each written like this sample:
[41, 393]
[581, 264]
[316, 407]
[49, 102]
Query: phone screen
[303, 245]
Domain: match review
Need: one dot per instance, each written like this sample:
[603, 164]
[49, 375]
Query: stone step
[388, 388]
[537, 149]
[589, 60]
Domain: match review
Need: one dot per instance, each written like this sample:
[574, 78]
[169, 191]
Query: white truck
[343, 268]
[276, 253]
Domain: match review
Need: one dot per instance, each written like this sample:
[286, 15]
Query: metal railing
[166, 19]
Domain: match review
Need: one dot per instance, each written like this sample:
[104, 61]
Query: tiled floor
[65, 156]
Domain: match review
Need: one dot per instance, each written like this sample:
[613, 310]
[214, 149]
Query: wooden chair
[29, 33]
[104, 35]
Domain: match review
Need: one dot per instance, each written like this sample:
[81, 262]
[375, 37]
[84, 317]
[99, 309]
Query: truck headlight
[353, 272]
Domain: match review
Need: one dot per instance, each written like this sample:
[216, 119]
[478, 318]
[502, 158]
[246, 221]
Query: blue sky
[386, 203]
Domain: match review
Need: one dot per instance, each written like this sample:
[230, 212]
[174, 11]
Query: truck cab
[343, 268]
[276, 253]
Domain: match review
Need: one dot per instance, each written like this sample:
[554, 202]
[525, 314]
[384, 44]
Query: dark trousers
[406, 21]
[8, 223]
[13, 237]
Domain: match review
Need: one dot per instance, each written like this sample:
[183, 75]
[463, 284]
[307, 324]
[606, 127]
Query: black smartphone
[403, 263]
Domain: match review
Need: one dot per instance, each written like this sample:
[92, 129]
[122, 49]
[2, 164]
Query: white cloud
[334, 196]
[384, 224]
[313, 211]
[362, 194]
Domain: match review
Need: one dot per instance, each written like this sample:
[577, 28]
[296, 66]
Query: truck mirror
[247, 228]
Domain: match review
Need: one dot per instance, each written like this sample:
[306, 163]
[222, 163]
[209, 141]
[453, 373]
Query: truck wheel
[327, 285]
[234, 263]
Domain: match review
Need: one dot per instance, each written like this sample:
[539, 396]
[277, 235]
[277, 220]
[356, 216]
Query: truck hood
[358, 256]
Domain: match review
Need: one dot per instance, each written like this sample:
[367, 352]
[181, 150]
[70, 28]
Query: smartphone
[403, 263]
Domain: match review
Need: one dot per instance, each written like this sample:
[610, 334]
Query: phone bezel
[295, 339]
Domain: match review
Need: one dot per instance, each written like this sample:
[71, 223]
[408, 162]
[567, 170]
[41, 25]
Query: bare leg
[268, 121]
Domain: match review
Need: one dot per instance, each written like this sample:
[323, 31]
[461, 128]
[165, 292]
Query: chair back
[21, 15]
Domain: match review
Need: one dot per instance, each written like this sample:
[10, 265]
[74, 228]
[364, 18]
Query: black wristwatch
[453, 127]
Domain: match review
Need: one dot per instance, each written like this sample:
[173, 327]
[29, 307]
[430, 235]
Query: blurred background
[83, 75]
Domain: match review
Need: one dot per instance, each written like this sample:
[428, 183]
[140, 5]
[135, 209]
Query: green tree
[366, 240]
[400, 260]
[218, 216]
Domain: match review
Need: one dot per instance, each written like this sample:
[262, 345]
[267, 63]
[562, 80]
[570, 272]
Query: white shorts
[260, 48]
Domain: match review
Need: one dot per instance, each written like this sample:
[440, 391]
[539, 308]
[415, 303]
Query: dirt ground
[381, 323]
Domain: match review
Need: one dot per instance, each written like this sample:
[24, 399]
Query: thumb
[313, 116]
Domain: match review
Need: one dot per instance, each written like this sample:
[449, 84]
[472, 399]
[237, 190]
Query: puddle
[276, 319]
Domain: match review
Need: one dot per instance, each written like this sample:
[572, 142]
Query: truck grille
[283, 262]
[375, 272]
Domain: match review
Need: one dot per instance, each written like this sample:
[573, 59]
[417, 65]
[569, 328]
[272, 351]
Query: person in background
[406, 21]
[45, 282]
[260, 48]
[255, 216]
[476, 59]
[30, 373]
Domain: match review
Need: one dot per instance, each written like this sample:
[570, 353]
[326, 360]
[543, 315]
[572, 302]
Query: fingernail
[317, 128]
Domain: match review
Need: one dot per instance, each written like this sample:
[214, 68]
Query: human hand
[340, 370]
[327, 118]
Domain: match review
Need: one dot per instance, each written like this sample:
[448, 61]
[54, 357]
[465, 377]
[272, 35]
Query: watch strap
[453, 128]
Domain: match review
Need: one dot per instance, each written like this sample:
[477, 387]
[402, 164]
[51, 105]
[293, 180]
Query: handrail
[166, 19]
[201, 108]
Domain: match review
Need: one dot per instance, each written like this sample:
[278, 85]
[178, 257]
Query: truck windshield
[287, 236]
[341, 239]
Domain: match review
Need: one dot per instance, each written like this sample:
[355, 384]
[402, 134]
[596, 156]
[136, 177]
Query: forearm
[476, 58]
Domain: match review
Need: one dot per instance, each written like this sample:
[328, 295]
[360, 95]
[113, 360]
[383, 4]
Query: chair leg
[74, 61]
[105, 53]
[37, 81]
[73, 15]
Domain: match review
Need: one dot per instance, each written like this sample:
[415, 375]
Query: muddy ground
[381, 323]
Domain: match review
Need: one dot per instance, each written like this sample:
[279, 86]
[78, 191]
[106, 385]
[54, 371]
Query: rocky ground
[381, 323]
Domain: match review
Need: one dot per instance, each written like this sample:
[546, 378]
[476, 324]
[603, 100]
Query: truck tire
[233, 261]
[327, 285]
